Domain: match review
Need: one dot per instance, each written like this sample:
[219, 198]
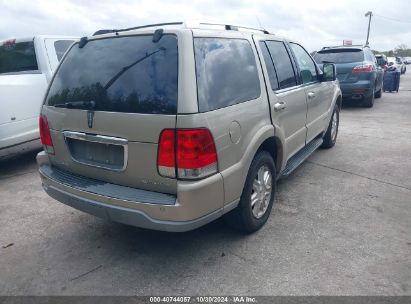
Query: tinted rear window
[17, 57]
[339, 56]
[381, 60]
[226, 72]
[61, 47]
[121, 74]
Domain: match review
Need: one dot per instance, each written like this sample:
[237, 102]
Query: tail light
[45, 135]
[363, 68]
[166, 157]
[189, 152]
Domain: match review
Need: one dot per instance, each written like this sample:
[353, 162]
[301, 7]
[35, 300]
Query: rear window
[226, 72]
[339, 56]
[17, 57]
[122, 74]
[380, 60]
[61, 47]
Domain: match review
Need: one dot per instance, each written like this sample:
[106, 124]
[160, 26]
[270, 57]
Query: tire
[245, 217]
[378, 94]
[330, 137]
[369, 102]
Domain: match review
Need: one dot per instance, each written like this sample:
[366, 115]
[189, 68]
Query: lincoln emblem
[90, 118]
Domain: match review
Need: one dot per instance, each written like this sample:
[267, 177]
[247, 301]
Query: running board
[300, 157]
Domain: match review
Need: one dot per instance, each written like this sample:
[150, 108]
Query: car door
[319, 94]
[287, 99]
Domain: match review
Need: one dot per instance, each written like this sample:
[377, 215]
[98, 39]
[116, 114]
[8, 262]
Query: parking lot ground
[341, 225]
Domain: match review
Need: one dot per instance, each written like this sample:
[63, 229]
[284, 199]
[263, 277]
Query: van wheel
[330, 136]
[258, 195]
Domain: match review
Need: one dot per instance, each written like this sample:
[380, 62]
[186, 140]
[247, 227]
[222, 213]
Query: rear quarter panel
[238, 130]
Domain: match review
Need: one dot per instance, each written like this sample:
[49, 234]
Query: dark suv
[358, 72]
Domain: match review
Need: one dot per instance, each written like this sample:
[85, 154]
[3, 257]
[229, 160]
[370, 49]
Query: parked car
[358, 72]
[398, 63]
[169, 127]
[382, 61]
[26, 68]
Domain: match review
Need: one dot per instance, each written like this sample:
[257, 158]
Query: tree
[402, 50]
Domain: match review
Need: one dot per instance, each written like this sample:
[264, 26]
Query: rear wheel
[369, 102]
[378, 93]
[258, 195]
[330, 136]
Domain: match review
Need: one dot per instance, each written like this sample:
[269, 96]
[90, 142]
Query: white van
[26, 68]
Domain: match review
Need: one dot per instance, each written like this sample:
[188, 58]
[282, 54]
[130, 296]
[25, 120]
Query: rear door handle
[311, 95]
[279, 106]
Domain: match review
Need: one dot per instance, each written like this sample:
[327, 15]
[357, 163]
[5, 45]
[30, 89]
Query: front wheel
[258, 195]
[330, 137]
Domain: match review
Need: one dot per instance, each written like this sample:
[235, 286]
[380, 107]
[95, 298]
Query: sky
[313, 23]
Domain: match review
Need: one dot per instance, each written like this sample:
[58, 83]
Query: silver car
[171, 126]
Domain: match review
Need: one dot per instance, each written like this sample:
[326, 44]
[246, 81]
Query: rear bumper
[357, 90]
[195, 205]
[126, 216]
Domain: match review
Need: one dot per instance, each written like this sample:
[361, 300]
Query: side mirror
[329, 72]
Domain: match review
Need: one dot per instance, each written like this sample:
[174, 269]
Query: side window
[272, 76]
[61, 47]
[17, 57]
[226, 72]
[282, 63]
[308, 72]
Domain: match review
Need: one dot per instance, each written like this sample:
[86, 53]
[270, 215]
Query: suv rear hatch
[345, 59]
[107, 105]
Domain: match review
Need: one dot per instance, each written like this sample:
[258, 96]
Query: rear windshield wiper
[77, 105]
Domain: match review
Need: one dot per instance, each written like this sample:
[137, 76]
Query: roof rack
[228, 27]
[187, 24]
[102, 32]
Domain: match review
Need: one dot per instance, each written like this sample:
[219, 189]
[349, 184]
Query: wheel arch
[274, 147]
[235, 176]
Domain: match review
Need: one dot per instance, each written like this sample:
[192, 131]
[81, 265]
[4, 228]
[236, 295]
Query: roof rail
[228, 27]
[102, 32]
[187, 24]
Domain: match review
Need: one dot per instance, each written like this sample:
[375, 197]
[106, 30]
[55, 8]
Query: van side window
[17, 57]
[272, 76]
[308, 71]
[226, 72]
[282, 63]
[61, 47]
